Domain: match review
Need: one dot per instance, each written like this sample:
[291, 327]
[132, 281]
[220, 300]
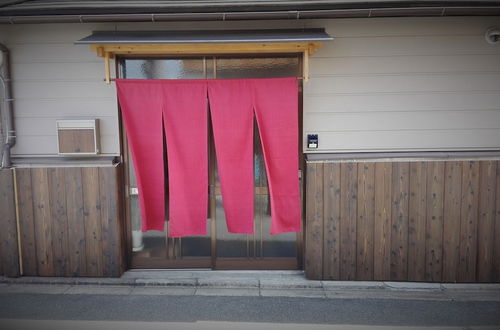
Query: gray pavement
[249, 299]
[248, 283]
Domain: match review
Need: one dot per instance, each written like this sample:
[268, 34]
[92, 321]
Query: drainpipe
[9, 108]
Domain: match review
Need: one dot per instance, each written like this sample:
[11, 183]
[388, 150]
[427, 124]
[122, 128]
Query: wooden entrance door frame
[212, 262]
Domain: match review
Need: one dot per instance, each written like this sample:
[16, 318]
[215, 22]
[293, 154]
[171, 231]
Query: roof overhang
[214, 36]
[83, 11]
[108, 44]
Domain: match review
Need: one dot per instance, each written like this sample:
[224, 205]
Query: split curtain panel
[180, 108]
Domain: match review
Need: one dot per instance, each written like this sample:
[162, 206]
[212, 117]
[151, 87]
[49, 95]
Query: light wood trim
[305, 71]
[110, 50]
[206, 48]
[18, 227]
[106, 68]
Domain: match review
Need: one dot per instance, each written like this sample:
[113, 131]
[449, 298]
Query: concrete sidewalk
[247, 283]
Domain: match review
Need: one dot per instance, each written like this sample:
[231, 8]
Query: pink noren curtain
[141, 103]
[181, 107]
[276, 110]
[231, 109]
[232, 106]
[185, 115]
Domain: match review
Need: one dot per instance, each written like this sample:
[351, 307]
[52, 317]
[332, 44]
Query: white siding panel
[58, 89]
[59, 71]
[64, 107]
[47, 126]
[406, 46]
[68, 33]
[407, 140]
[403, 64]
[405, 26]
[452, 101]
[384, 121]
[46, 145]
[403, 83]
[52, 53]
[383, 84]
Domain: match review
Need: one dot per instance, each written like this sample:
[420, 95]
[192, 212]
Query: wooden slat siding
[451, 220]
[496, 248]
[468, 222]
[314, 221]
[76, 225]
[122, 224]
[43, 221]
[486, 221]
[434, 227]
[417, 221]
[331, 229]
[382, 230]
[1, 262]
[436, 221]
[59, 218]
[92, 220]
[399, 235]
[348, 217]
[110, 222]
[26, 221]
[365, 221]
[9, 252]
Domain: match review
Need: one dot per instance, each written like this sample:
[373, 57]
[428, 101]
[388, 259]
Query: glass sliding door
[218, 249]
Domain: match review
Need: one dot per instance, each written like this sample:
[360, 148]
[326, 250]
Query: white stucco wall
[386, 84]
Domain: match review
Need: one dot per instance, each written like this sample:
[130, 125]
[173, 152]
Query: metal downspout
[9, 108]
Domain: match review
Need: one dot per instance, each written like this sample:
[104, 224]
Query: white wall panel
[405, 84]
[383, 84]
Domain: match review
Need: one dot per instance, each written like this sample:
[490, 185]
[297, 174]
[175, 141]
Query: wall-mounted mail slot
[78, 137]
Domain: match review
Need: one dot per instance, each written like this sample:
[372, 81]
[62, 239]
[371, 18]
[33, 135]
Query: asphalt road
[259, 310]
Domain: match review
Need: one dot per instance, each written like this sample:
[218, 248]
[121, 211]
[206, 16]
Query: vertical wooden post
[314, 222]
[106, 68]
[18, 227]
[305, 67]
[9, 256]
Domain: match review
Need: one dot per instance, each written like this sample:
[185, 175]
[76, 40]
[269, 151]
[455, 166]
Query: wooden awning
[107, 44]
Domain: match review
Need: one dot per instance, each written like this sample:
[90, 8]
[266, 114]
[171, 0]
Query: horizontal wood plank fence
[70, 221]
[435, 221]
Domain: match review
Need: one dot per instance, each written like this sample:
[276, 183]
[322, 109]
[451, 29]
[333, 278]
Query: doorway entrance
[219, 249]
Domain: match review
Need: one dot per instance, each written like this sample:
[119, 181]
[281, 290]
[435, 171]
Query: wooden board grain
[314, 222]
[110, 222]
[486, 220]
[43, 222]
[9, 253]
[92, 220]
[348, 217]
[399, 234]
[434, 225]
[365, 221]
[496, 244]
[331, 229]
[417, 221]
[76, 226]
[59, 218]
[26, 221]
[382, 230]
[468, 222]
[451, 220]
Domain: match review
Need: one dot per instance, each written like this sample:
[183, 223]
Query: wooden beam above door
[109, 51]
